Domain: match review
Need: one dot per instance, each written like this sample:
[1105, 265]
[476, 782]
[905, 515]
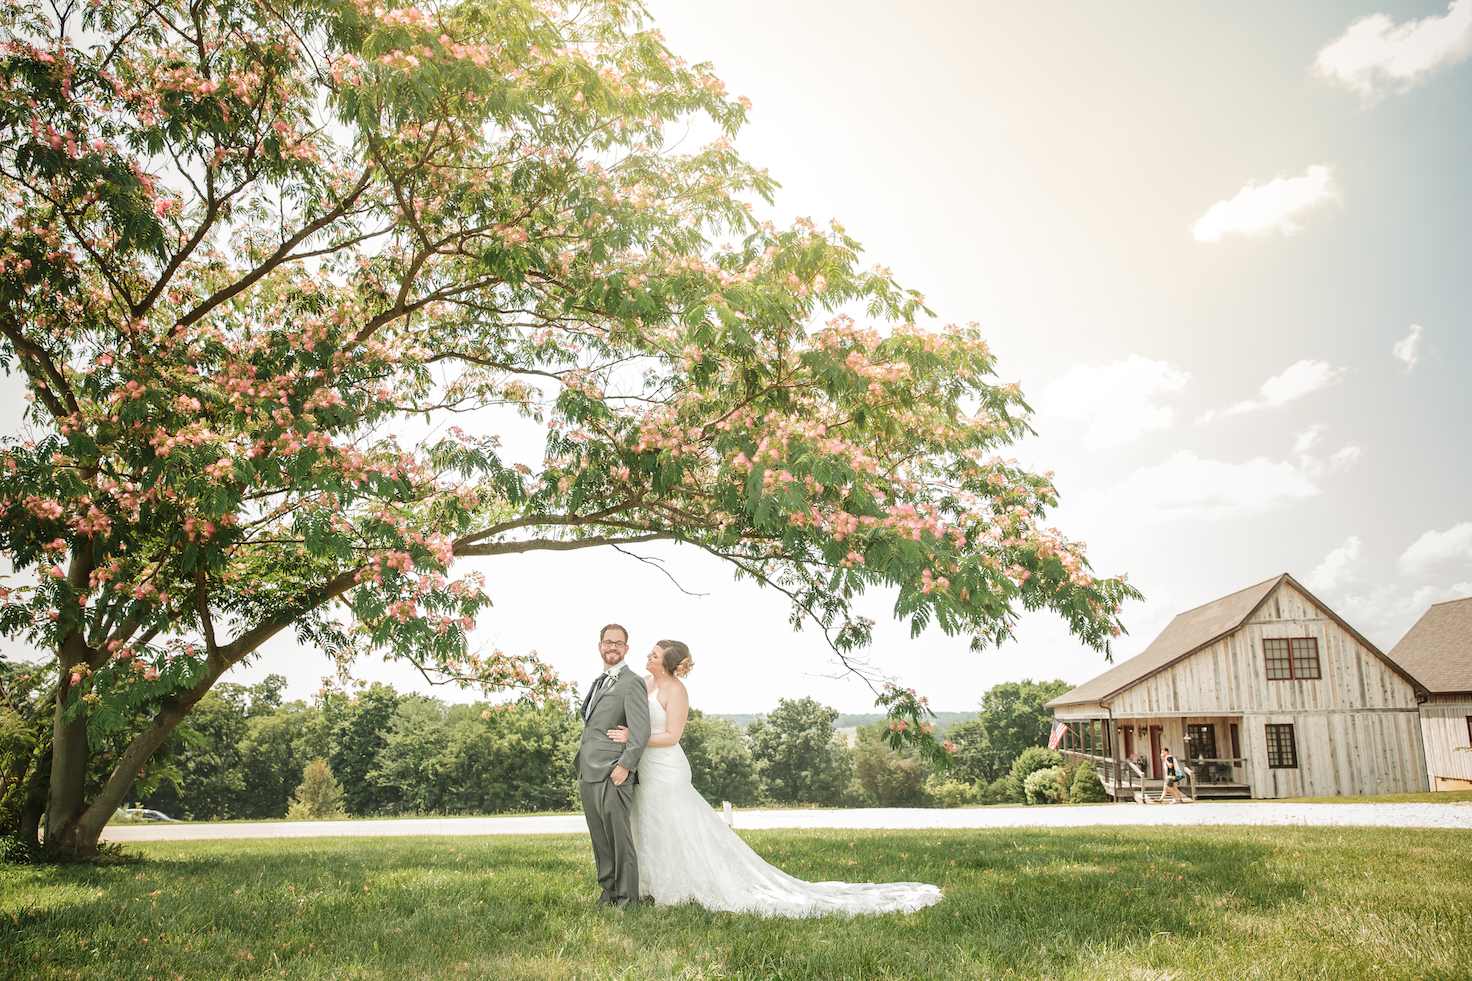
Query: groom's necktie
[593, 693]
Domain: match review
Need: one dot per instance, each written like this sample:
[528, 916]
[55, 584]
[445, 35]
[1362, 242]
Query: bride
[686, 851]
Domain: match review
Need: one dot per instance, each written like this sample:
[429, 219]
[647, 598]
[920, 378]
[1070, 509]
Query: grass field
[1144, 904]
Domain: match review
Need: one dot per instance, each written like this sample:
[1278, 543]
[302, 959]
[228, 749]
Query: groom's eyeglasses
[612, 643]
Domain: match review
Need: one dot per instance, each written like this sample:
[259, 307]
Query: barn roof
[1438, 648]
[1188, 633]
[1198, 629]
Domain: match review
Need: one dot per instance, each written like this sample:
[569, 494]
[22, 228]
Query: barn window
[1469, 728]
[1203, 742]
[1294, 658]
[1282, 754]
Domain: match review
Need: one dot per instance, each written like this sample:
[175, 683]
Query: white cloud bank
[1375, 51]
[1407, 350]
[1269, 208]
[1336, 567]
[1297, 380]
[1438, 550]
[1186, 486]
[1117, 398]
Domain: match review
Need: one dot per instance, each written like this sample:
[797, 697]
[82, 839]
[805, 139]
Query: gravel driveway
[1457, 815]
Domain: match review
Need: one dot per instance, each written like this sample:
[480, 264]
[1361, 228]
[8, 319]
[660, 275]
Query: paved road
[1226, 812]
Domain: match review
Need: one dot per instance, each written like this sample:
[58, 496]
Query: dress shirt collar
[615, 669]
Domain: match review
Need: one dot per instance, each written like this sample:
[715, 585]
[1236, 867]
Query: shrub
[1034, 758]
[1086, 787]
[948, 793]
[1044, 786]
[1005, 789]
[319, 798]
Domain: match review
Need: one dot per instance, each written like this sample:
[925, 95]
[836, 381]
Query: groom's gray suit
[620, 700]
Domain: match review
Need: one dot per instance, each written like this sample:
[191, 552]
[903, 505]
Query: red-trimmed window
[1282, 753]
[1291, 658]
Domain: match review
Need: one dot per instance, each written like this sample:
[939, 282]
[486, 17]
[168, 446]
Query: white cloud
[1345, 455]
[1407, 349]
[1269, 208]
[1437, 550]
[1186, 486]
[1336, 567]
[1306, 440]
[1376, 49]
[1115, 397]
[1297, 380]
[1386, 612]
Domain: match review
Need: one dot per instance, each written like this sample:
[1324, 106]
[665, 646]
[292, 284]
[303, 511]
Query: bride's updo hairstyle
[676, 657]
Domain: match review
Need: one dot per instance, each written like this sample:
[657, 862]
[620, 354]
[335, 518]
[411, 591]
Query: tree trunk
[69, 757]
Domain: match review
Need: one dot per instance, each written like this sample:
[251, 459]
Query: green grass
[1144, 904]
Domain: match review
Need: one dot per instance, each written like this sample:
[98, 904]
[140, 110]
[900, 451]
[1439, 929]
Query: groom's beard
[617, 660]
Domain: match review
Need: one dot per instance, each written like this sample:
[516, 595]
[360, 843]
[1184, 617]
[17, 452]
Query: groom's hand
[619, 775]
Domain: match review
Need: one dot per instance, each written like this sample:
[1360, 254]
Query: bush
[948, 792]
[1005, 789]
[319, 798]
[1044, 786]
[1033, 759]
[1086, 787]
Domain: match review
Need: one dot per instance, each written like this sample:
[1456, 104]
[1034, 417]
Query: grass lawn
[1145, 904]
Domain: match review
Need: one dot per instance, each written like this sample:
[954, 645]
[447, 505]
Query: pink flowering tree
[272, 273]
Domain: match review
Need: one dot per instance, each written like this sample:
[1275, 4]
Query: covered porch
[1125, 752]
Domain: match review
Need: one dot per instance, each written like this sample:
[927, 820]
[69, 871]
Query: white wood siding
[1357, 727]
[1444, 729]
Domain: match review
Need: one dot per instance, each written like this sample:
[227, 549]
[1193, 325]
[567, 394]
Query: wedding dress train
[687, 853]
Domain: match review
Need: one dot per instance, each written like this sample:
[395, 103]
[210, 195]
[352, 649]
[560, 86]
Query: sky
[1223, 248]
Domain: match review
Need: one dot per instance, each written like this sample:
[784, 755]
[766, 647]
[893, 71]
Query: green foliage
[721, 766]
[232, 758]
[799, 757]
[361, 728]
[1032, 759]
[510, 758]
[26, 706]
[319, 798]
[944, 792]
[889, 777]
[974, 759]
[1004, 790]
[1013, 719]
[1045, 786]
[1086, 787]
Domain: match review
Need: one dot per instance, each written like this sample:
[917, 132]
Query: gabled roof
[1438, 648]
[1196, 630]
[1188, 633]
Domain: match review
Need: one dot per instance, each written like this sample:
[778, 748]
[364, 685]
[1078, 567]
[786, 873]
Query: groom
[607, 771]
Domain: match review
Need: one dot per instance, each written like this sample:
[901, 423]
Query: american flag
[1056, 736]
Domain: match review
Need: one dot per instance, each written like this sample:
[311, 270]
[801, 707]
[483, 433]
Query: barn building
[1264, 693]
[1438, 651]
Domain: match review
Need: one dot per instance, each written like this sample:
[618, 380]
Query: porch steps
[1207, 791]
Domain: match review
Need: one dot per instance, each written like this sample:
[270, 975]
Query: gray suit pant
[607, 809]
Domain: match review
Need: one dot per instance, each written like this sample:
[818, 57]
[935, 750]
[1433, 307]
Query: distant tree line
[245, 753]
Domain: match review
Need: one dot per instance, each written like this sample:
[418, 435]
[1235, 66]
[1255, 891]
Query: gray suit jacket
[624, 702]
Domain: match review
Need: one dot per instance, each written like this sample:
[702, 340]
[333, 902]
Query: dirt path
[1228, 812]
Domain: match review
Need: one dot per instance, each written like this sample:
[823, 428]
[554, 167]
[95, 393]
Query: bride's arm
[676, 714]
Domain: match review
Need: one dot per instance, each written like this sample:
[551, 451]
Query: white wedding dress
[687, 853]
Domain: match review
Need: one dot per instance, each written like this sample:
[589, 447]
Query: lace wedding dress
[687, 853]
